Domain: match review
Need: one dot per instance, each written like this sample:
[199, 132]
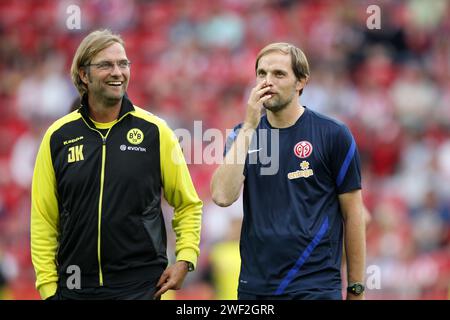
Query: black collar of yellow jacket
[126, 106]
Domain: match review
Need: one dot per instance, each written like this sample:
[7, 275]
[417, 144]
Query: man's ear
[302, 83]
[83, 75]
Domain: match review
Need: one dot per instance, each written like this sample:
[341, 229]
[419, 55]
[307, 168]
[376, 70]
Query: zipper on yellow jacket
[100, 200]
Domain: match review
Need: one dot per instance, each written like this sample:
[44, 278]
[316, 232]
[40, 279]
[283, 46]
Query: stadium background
[194, 60]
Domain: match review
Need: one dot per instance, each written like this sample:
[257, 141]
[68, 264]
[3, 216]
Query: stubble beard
[110, 101]
[276, 105]
[101, 95]
[105, 98]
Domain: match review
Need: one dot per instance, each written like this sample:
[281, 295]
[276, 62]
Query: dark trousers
[303, 295]
[129, 291]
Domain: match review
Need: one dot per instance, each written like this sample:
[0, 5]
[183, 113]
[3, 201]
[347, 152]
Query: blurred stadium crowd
[194, 60]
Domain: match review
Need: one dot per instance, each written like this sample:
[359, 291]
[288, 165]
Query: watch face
[356, 289]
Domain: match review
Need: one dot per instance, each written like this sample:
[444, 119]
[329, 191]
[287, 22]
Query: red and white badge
[303, 149]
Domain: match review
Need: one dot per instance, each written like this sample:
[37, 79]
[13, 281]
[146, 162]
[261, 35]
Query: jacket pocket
[64, 248]
[65, 221]
[65, 229]
[153, 222]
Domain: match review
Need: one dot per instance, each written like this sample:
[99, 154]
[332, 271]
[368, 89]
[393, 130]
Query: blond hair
[92, 44]
[299, 62]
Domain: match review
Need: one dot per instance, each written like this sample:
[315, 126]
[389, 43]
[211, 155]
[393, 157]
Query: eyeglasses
[109, 65]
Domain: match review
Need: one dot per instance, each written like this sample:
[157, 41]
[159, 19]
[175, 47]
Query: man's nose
[116, 70]
[269, 79]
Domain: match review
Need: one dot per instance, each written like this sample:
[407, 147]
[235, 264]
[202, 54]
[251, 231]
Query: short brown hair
[299, 62]
[92, 44]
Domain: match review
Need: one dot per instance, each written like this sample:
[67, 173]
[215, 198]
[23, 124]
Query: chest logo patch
[135, 136]
[304, 171]
[303, 149]
[75, 154]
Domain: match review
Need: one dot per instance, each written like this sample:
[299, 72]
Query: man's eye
[104, 65]
[123, 64]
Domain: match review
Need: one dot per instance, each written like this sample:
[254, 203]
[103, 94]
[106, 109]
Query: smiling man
[97, 229]
[295, 219]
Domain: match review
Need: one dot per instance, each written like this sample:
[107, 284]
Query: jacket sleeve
[180, 193]
[44, 221]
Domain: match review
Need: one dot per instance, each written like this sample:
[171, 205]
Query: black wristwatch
[190, 265]
[355, 288]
